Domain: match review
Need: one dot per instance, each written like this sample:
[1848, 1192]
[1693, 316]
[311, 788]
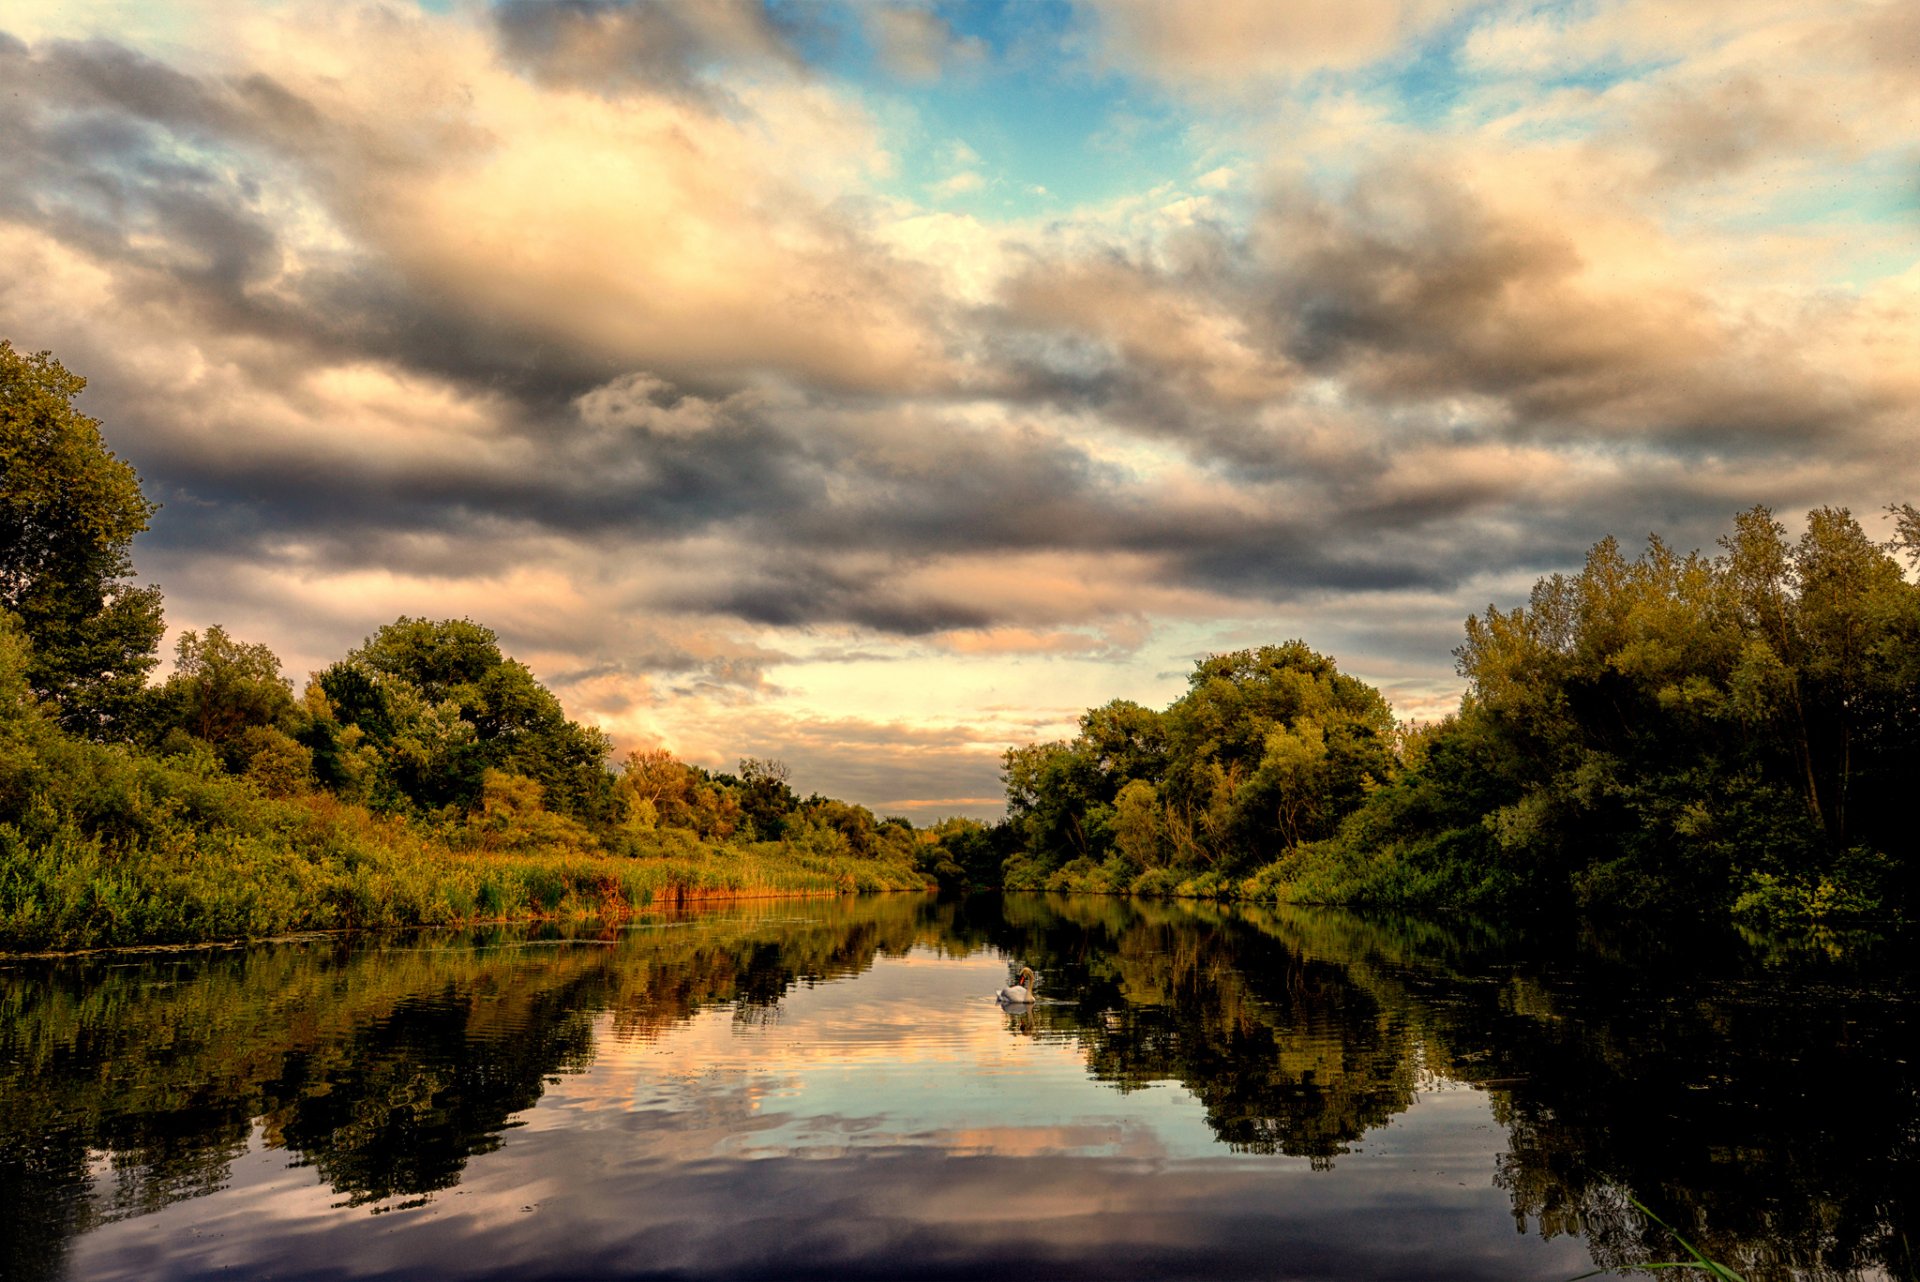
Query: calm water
[826, 1089]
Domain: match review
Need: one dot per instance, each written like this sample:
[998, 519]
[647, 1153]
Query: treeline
[425, 776]
[1735, 732]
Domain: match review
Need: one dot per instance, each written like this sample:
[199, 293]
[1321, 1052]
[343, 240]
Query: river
[826, 1089]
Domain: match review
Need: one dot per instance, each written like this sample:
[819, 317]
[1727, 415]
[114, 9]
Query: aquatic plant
[1713, 1268]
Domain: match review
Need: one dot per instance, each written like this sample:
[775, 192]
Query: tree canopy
[418, 714]
[1268, 748]
[1667, 731]
[1655, 732]
[69, 509]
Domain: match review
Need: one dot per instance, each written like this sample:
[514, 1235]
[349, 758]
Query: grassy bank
[105, 845]
[101, 846]
[324, 866]
[74, 893]
[1335, 873]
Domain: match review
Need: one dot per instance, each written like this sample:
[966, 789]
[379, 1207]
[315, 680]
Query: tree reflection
[1762, 1101]
[129, 1086]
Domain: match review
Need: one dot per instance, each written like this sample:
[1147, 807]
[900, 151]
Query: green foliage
[415, 717]
[1658, 733]
[103, 845]
[227, 694]
[1712, 1268]
[1664, 733]
[68, 512]
[767, 802]
[1269, 748]
[960, 852]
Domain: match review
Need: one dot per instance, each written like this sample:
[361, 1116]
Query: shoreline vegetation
[110, 844]
[1663, 734]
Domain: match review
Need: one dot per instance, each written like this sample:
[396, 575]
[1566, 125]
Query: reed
[1712, 1268]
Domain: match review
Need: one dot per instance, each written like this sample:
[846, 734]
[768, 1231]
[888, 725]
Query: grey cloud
[617, 46]
[822, 529]
[1704, 132]
[690, 674]
[99, 75]
[1411, 289]
[94, 157]
[165, 176]
[648, 492]
[822, 506]
[917, 44]
[1412, 294]
[796, 589]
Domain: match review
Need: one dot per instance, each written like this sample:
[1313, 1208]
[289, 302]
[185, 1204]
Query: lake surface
[826, 1089]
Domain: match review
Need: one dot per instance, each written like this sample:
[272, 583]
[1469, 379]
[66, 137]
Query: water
[827, 1090]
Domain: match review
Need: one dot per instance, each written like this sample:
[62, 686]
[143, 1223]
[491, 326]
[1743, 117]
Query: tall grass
[102, 848]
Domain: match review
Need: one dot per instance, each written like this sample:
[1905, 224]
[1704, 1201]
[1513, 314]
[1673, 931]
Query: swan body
[1021, 994]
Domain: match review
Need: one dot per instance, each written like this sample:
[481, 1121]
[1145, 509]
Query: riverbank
[228, 864]
[108, 844]
[1328, 874]
[94, 904]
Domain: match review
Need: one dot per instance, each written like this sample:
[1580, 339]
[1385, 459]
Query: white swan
[1021, 994]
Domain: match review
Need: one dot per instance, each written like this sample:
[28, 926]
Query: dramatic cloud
[629, 329]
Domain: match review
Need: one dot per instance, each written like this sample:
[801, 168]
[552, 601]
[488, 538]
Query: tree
[220, 688]
[766, 797]
[69, 510]
[441, 706]
[1270, 747]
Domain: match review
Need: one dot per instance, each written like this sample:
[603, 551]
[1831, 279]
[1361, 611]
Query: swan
[1021, 994]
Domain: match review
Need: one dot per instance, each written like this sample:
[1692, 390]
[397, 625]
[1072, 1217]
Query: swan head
[1026, 977]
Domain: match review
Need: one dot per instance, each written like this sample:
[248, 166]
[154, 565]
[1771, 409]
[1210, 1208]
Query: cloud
[434, 186]
[917, 44]
[960, 184]
[1164, 337]
[1229, 44]
[1414, 285]
[616, 327]
[621, 46]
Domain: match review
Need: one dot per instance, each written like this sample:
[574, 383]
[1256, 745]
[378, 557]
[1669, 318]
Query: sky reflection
[891, 1124]
[833, 1093]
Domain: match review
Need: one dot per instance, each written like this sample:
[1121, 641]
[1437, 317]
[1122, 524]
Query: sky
[876, 386]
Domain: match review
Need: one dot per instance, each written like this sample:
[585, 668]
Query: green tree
[69, 510]
[1273, 746]
[1269, 747]
[767, 801]
[1670, 729]
[221, 687]
[440, 706]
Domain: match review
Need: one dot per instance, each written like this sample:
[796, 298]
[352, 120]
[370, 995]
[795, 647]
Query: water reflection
[827, 1089]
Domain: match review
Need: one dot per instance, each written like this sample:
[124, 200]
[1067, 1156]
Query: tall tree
[69, 510]
[221, 688]
[443, 705]
[1270, 747]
